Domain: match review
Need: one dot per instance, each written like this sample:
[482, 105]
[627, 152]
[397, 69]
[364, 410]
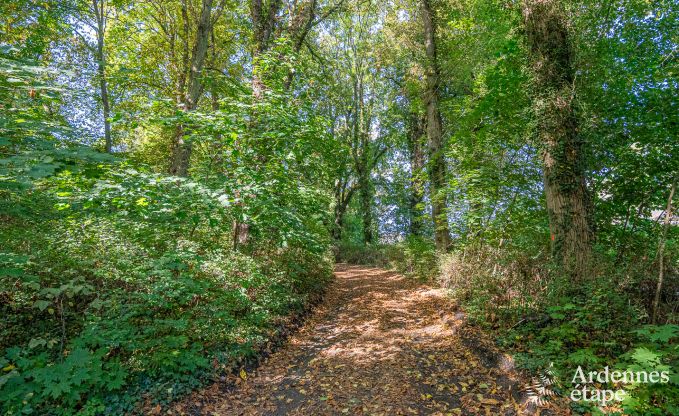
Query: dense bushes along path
[380, 344]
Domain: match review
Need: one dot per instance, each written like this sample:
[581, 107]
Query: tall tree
[94, 14]
[362, 149]
[562, 148]
[437, 161]
[264, 17]
[99, 7]
[193, 66]
[355, 90]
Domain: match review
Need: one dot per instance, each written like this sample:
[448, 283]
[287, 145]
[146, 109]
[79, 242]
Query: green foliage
[357, 253]
[116, 281]
[655, 349]
[415, 257]
[546, 320]
[130, 283]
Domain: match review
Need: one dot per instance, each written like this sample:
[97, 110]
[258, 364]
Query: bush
[495, 286]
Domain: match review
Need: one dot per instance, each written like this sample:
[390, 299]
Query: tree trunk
[338, 223]
[99, 11]
[181, 151]
[361, 152]
[181, 154]
[661, 252]
[563, 158]
[299, 29]
[264, 23]
[198, 54]
[416, 133]
[437, 162]
[343, 194]
[366, 199]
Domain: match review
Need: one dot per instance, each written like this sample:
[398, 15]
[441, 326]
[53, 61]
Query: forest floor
[379, 344]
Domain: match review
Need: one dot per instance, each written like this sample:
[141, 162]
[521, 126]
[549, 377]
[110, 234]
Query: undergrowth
[120, 288]
[550, 322]
[414, 257]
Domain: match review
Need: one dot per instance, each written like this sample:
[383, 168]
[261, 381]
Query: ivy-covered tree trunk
[437, 161]
[416, 149]
[563, 156]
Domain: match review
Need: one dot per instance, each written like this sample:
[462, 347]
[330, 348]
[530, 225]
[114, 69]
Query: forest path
[379, 344]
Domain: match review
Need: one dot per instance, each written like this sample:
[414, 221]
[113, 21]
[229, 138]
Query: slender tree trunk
[106, 106]
[661, 251]
[437, 162]
[100, 13]
[198, 55]
[563, 158]
[181, 151]
[361, 154]
[338, 223]
[416, 133]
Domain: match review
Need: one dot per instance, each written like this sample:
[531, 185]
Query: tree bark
[563, 157]
[100, 15]
[300, 28]
[198, 54]
[181, 151]
[437, 162]
[661, 252]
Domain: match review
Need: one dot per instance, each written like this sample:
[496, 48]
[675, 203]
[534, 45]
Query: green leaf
[659, 333]
[41, 304]
[646, 357]
[36, 342]
[79, 357]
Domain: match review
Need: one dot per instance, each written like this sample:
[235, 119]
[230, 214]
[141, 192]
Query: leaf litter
[379, 344]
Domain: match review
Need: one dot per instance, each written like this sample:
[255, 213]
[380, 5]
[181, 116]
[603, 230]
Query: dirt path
[380, 344]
